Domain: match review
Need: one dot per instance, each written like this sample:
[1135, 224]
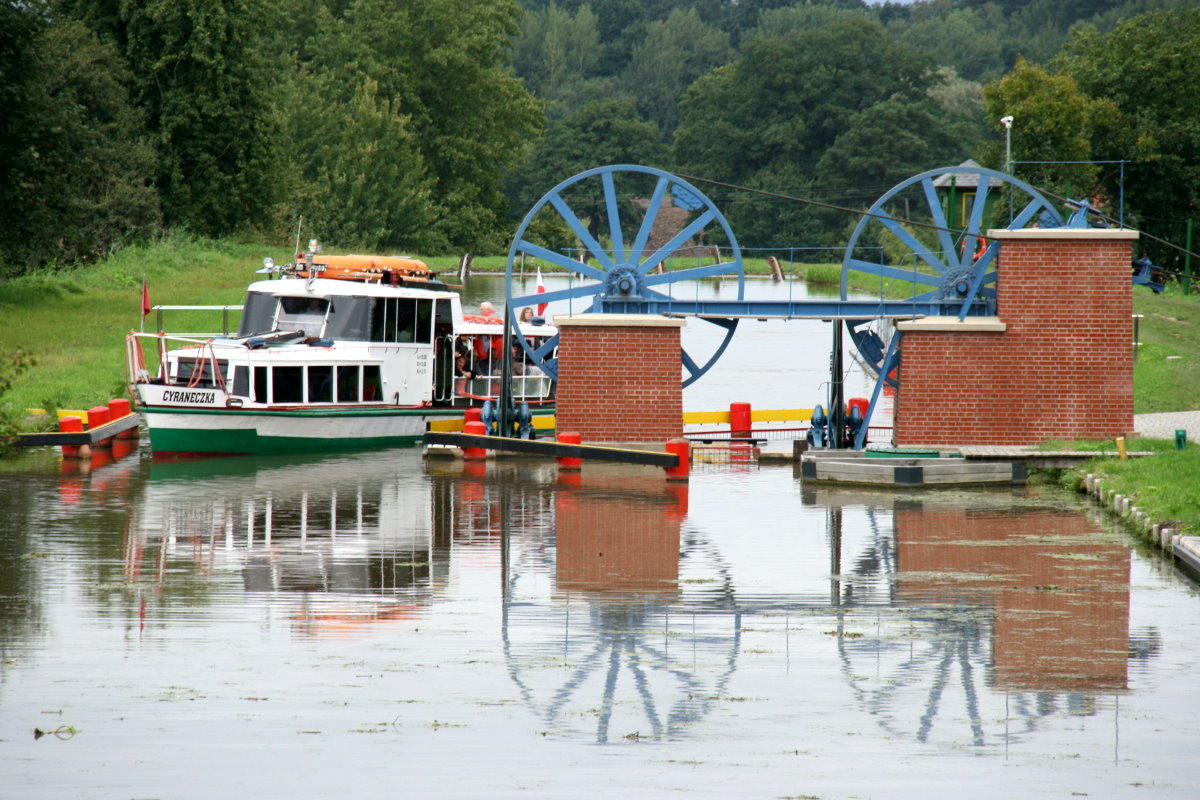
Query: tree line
[431, 127]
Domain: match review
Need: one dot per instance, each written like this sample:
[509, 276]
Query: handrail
[225, 309]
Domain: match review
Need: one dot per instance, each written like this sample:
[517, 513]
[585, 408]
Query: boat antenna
[299, 225]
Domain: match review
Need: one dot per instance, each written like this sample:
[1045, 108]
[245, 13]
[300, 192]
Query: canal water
[380, 624]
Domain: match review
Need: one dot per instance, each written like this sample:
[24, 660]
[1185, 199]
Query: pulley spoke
[643, 235]
[589, 242]
[884, 271]
[678, 239]
[614, 217]
[918, 249]
[939, 219]
[558, 259]
[691, 273]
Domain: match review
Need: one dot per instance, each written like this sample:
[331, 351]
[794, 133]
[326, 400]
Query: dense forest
[433, 127]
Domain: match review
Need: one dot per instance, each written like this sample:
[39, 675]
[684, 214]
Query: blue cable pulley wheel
[623, 205]
[930, 232]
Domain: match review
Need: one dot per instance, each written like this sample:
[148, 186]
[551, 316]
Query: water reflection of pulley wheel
[613, 665]
[929, 232]
[632, 208]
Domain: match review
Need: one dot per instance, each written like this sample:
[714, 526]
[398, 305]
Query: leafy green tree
[1148, 69]
[785, 102]
[442, 66]
[361, 182]
[557, 50]
[1054, 121]
[675, 52]
[961, 38]
[203, 83]
[885, 144]
[78, 169]
[601, 133]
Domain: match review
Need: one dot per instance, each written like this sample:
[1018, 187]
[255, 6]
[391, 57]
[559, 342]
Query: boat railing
[529, 388]
[137, 370]
[159, 319]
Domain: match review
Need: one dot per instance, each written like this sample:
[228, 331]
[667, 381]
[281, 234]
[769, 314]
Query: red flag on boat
[145, 297]
[541, 289]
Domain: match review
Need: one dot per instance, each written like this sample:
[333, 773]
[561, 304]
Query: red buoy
[681, 448]
[568, 462]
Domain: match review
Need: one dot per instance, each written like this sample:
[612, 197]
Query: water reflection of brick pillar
[617, 534]
[619, 377]
[1061, 600]
[1056, 361]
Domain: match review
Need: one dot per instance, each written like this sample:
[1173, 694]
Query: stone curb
[1183, 547]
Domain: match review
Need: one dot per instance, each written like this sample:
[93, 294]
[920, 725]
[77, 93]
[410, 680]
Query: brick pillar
[619, 377]
[1055, 363]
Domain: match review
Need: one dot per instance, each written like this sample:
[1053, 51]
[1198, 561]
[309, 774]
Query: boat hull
[191, 432]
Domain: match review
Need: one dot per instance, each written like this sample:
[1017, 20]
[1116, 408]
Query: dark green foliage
[1148, 69]
[77, 167]
[768, 119]
[202, 80]
[437, 68]
[599, 134]
[12, 364]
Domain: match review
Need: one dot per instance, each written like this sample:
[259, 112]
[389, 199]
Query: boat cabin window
[372, 384]
[402, 319]
[260, 385]
[258, 314]
[241, 381]
[349, 318]
[347, 384]
[287, 384]
[304, 314]
[320, 384]
[186, 369]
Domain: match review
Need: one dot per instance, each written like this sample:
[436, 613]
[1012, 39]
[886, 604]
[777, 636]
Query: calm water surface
[380, 625]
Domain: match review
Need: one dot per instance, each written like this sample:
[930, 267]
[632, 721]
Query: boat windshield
[304, 314]
[258, 314]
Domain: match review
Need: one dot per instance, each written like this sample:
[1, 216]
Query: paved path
[1163, 426]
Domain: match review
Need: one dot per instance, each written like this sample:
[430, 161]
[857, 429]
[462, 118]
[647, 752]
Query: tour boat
[332, 353]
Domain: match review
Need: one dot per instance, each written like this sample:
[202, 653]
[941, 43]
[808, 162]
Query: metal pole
[1008, 121]
[1137, 318]
[837, 407]
[1187, 260]
[1122, 199]
[506, 374]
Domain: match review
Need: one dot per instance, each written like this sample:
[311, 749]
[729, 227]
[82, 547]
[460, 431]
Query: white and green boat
[336, 353]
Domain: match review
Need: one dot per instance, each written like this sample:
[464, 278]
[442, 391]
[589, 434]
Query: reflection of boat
[353, 537]
[342, 352]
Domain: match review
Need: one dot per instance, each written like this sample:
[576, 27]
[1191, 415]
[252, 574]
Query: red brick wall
[620, 383]
[1063, 369]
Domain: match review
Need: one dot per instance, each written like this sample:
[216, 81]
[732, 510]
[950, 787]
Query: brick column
[619, 377]
[1056, 362]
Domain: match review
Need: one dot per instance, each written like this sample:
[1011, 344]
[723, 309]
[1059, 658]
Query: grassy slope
[74, 322]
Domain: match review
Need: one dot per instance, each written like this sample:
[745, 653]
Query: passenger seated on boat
[463, 367]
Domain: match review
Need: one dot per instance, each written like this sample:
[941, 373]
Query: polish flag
[541, 289]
